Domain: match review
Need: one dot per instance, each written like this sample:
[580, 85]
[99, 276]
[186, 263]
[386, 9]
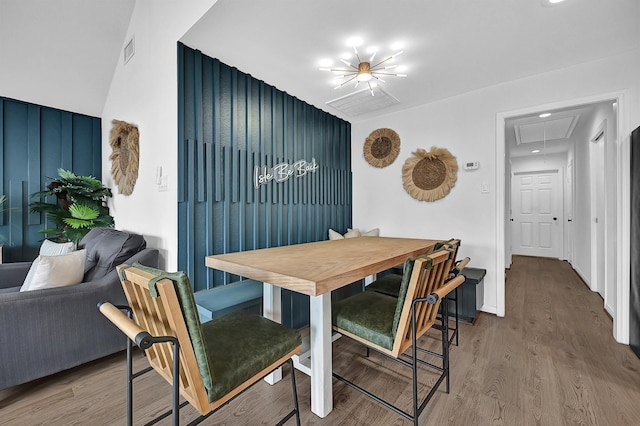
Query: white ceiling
[61, 53]
[450, 47]
[69, 48]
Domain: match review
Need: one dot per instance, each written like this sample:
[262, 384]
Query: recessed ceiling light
[535, 151]
[354, 41]
[544, 115]
[551, 3]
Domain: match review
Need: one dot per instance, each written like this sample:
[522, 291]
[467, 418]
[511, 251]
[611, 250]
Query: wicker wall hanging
[429, 176]
[381, 147]
[124, 156]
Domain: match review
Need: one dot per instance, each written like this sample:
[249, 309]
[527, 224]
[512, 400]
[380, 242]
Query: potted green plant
[81, 204]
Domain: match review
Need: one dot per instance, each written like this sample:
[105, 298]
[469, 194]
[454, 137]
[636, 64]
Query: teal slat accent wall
[229, 123]
[35, 141]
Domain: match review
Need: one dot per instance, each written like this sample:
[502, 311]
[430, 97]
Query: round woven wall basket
[381, 147]
[429, 176]
[125, 155]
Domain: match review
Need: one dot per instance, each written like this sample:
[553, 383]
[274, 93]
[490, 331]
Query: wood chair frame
[159, 328]
[455, 267]
[428, 286]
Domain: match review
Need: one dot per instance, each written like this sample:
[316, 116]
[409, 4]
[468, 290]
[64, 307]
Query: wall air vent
[129, 50]
[361, 102]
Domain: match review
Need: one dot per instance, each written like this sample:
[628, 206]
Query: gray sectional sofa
[46, 331]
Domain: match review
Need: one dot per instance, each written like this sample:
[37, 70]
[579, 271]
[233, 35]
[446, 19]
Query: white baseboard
[489, 309]
[579, 272]
[609, 310]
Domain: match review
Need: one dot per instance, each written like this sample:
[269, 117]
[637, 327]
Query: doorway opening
[578, 143]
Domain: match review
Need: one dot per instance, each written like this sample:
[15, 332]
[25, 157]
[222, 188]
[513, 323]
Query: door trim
[598, 252]
[621, 318]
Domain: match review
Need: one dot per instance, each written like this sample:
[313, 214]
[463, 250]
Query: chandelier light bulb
[364, 71]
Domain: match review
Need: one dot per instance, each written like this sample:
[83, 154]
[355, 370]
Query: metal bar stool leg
[295, 391]
[457, 310]
[414, 366]
[176, 382]
[445, 343]
[129, 383]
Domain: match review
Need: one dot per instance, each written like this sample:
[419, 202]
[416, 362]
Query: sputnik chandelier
[364, 72]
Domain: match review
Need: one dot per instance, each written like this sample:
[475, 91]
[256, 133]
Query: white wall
[145, 92]
[466, 125]
[570, 205]
[582, 217]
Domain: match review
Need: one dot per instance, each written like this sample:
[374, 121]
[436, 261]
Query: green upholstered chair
[392, 325]
[389, 284]
[208, 363]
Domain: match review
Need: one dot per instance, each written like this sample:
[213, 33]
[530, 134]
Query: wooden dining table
[316, 269]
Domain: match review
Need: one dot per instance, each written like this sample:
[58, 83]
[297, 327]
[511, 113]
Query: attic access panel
[549, 130]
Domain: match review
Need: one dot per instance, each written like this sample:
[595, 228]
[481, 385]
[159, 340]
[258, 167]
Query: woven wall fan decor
[381, 147]
[125, 155]
[429, 176]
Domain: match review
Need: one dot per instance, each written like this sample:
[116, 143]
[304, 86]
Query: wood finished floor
[551, 361]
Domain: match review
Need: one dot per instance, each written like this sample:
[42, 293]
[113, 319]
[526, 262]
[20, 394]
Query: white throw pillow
[352, 233]
[59, 271]
[375, 232]
[48, 248]
[334, 235]
[29, 278]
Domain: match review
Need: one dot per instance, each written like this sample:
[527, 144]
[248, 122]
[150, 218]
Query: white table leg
[272, 309]
[321, 364]
[369, 279]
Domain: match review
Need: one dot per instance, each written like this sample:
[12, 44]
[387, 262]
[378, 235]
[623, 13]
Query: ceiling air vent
[361, 102]
[129, 50]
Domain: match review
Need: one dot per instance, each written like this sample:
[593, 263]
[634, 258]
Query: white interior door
[537, 219]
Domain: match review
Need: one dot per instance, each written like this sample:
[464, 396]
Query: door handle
[569, 220]
[555, 218]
